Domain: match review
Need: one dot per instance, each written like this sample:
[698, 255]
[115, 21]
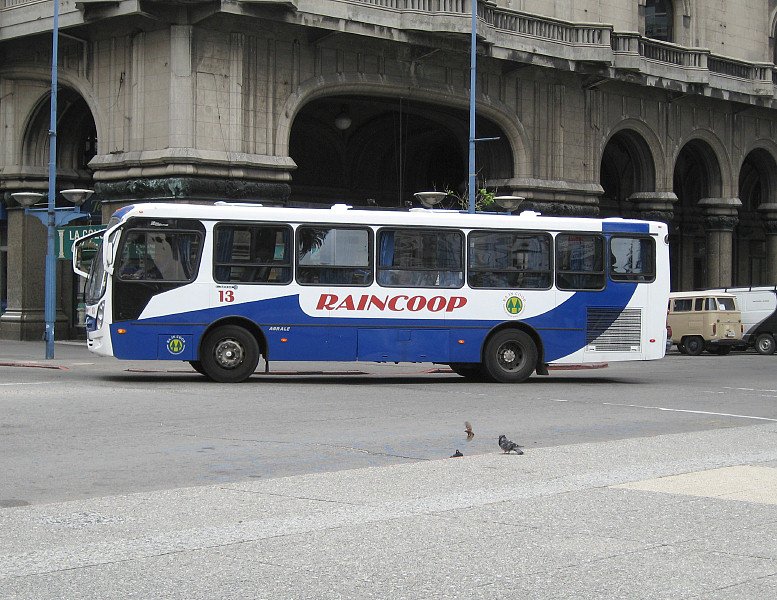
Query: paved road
[81, 426]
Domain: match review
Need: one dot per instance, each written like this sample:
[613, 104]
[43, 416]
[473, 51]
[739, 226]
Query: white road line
[749, 390]
[697, 412]
[30, 383]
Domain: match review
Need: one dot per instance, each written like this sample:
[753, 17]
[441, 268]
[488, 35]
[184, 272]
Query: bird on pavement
[468, 430]
[509, 446]
[457, 454]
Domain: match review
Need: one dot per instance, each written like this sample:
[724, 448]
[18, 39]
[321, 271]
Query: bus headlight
[100, 314]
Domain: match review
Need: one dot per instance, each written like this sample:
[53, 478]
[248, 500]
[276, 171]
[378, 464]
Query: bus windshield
[97, 279]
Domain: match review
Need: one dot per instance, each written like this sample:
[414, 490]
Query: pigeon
[468, 430]
[509, 446]
[457, 454]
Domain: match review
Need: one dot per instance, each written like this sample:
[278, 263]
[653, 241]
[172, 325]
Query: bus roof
[344, 214]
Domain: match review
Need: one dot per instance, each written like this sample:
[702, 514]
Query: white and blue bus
[495, 296]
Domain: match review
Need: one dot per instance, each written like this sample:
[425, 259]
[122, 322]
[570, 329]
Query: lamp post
[52, 217]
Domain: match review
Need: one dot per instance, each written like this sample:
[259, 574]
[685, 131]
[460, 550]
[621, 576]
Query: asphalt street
[142, 480]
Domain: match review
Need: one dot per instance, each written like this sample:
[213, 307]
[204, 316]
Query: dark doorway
[696, 176]
[381, 151]
[757, 185]
[627, 167]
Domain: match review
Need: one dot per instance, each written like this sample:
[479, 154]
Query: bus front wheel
[510, 356]
[470, 371]
[229, 354]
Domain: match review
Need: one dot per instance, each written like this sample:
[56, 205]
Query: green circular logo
[513, 305]
[175, 345]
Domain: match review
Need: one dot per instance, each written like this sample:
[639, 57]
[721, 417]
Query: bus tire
[469, 371]
[229, 354]
[694, 345]
[510, 356]
[197, 366]
[764, 344]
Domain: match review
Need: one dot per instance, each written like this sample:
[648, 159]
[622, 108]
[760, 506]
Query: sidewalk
[674, 516]
[14, 351]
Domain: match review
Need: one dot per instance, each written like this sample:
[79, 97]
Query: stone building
[651, 108]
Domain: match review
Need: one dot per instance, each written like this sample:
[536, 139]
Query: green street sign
[63, 241]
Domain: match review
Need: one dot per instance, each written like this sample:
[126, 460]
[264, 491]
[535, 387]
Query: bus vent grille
[613, 330]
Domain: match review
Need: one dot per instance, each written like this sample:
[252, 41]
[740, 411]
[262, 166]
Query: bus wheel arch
[230, 350]
[512, 352]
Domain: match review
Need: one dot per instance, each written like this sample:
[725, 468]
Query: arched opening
[380, 151]
[757, 185]
[627, 167]
[696, 176]
[76, 134]
[659, 20]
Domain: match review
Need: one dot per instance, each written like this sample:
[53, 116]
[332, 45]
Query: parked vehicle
[704, 320]
[758, 306]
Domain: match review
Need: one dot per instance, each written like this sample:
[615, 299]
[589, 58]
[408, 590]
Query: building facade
[645, 108]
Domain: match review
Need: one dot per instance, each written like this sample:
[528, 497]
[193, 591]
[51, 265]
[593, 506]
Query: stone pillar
[720, 218]
[655, 206]
[769, 212]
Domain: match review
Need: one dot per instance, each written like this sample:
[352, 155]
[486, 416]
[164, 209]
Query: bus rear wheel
[510, 356]
[229, 354]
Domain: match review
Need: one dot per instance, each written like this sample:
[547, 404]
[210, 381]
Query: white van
[758, 306]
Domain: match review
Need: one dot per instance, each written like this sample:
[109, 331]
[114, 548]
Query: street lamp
[52, 217]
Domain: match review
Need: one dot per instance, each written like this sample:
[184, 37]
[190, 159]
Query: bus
[496, 297]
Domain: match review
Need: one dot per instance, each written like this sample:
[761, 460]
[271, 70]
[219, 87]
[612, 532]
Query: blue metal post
[50, 304]
[472, 88]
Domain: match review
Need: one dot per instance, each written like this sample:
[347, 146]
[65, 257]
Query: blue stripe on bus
[625, 227]
[330, 338]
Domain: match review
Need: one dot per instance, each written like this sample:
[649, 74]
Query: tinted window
[508, 259]
[252, 253]
[159, 255]
[632, 259]
[658, 20]
[334, 256]
[420, 258]
[683, 305]
[579, 261]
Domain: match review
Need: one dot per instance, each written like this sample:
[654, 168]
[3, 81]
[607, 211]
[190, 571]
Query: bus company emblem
[514, 304]
[176, 344]
[398, 303]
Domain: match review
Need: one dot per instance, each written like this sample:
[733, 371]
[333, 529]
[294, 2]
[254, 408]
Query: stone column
[720, 218]
[654, 206]
[769, 212]
[24, 319]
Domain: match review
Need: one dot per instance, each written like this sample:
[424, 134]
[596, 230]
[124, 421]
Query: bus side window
[579, 261]
[334, 255]
[509, 259]
[420, 258]
[252, 253]
[632, 259]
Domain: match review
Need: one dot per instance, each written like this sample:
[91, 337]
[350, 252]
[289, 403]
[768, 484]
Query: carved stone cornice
[720, 214]
[196, 188]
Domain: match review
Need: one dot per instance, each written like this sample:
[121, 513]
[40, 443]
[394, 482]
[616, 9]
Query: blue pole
[472, 85]
[51, 273]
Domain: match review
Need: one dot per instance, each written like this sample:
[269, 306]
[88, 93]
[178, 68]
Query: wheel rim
[510, 356]
[764, 345]
[229, 353]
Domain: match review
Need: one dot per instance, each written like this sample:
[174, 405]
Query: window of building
[252, 253]
[579, 261]
[509, 259]
[334, 255]
[632, 259]
[421, 258]
[659, 16]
